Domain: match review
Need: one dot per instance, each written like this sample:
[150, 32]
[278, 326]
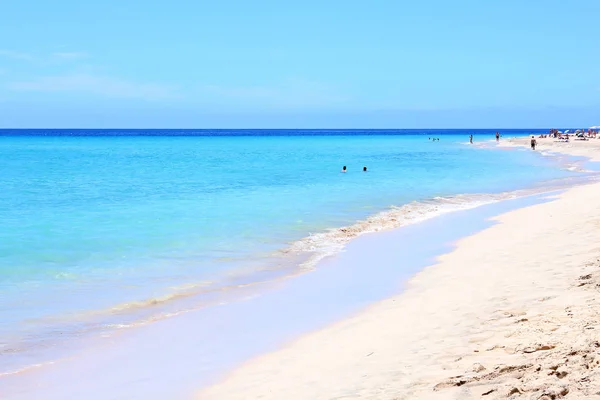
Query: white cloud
[292, 92]
[17, 55]
[97, 85]
[69, 55]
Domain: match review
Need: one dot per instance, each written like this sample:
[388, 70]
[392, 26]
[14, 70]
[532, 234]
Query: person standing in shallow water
[533, 142]
[497, 137]
[471, 139]
[344, 169]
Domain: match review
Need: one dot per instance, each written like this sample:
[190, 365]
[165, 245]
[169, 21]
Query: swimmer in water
[344, 169]
[364, 169]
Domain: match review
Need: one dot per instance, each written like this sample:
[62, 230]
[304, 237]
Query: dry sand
[513, 312]
[582, 148]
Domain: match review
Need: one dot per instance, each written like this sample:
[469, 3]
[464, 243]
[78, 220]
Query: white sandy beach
[512, 312]
[580, 148]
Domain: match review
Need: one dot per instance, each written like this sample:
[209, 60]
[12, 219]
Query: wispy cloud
[293, 92]
[16, 55]
[98, 85]
[59, 55]
[69, 55]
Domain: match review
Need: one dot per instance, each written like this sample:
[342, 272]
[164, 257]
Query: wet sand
[512, 312]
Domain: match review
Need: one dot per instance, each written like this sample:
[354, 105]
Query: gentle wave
[314, 247]
[311, 249]
[328, 243]
[26, 368]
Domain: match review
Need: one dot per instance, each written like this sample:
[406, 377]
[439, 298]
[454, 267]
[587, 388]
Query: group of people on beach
[344, 170]
[580, 133]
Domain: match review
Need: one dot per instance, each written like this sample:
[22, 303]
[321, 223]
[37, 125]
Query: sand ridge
[513, 312]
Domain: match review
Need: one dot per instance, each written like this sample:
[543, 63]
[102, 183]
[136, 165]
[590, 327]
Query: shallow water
[101, 232]
[175, 358]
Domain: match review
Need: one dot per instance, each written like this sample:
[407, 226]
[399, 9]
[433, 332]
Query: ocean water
[103, 230]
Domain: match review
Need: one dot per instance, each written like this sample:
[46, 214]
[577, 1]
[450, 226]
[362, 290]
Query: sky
[299, 64]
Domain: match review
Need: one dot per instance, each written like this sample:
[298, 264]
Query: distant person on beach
[497, 137]
[364, 169]
[533, 142]
[471, 139]
[344, 169]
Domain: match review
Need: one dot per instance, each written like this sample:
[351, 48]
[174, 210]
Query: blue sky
[271, 64]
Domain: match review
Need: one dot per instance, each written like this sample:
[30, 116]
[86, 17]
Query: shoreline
[590, 149]
[497, 315]
[311, 249]
[192, 356]
[353, 237]
[396, 217]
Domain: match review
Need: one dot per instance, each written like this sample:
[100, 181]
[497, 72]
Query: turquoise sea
[103, 230]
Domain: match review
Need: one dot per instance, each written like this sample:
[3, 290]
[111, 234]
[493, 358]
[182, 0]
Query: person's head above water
[344, 169]
[365, 169]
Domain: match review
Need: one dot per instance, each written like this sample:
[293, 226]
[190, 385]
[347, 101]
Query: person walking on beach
[471, 139]
[533, 142]
[497, 137]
